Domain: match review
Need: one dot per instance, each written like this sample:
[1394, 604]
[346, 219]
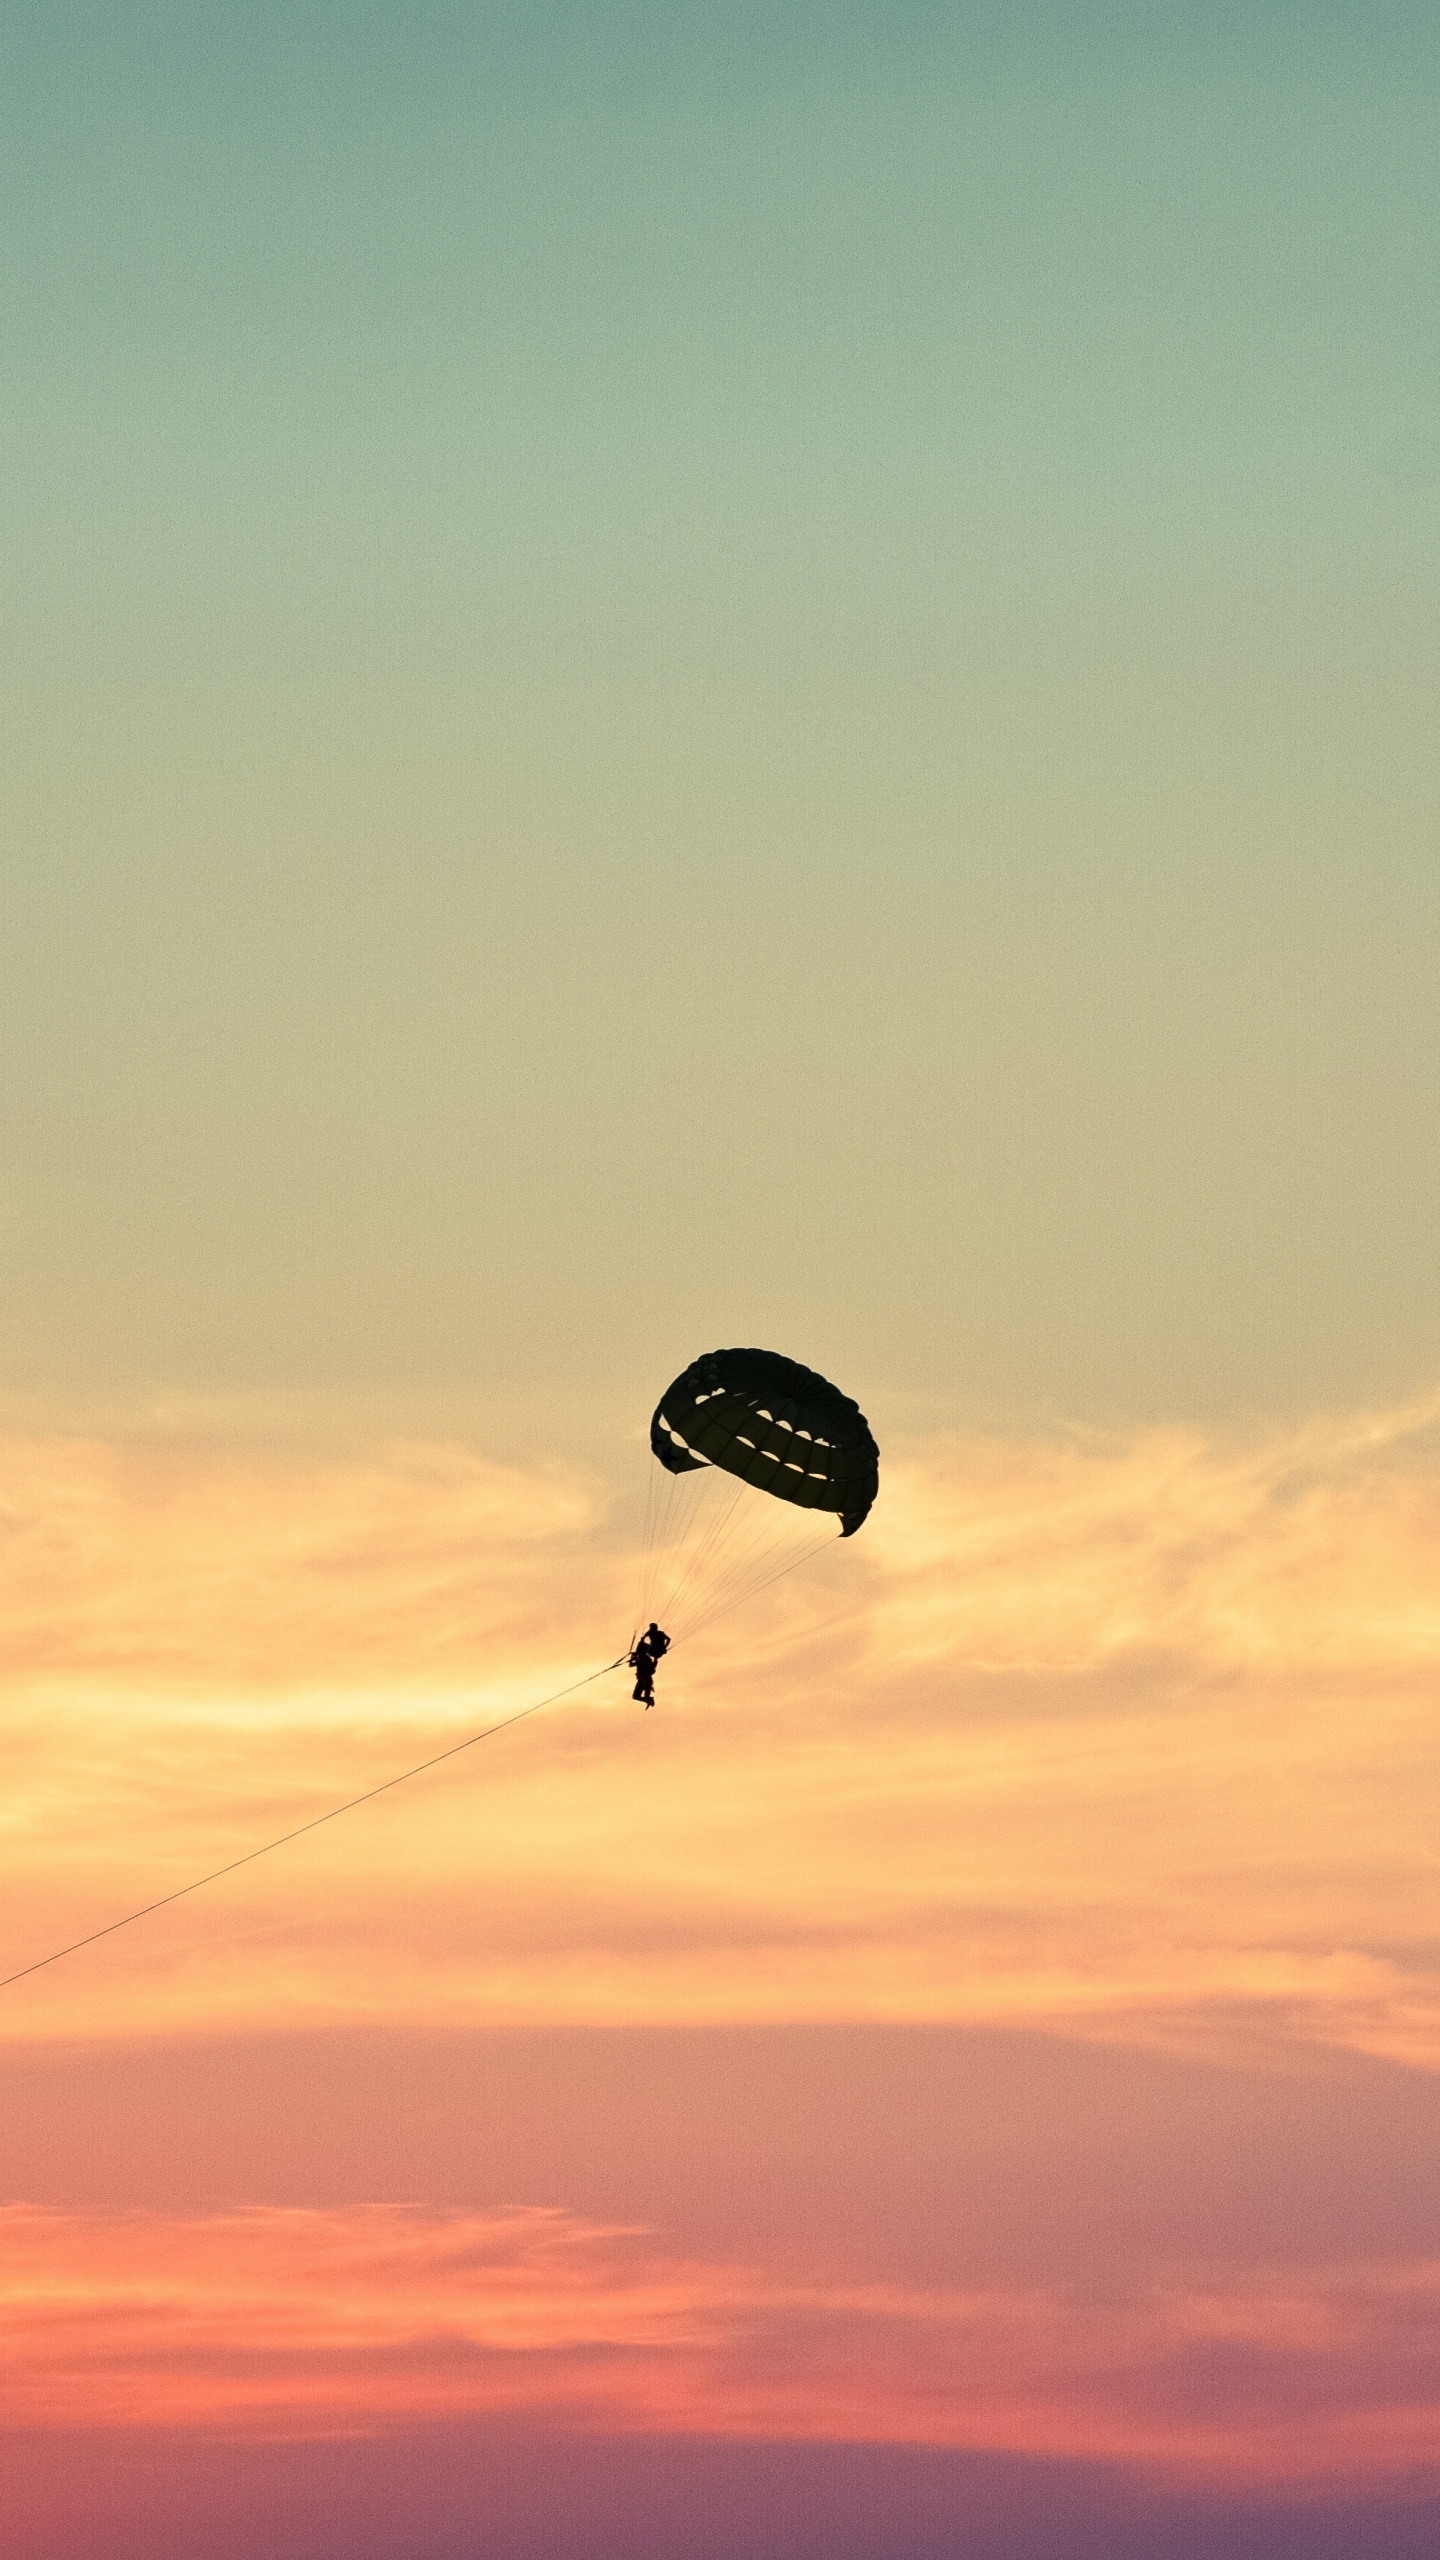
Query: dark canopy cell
[775, 1425]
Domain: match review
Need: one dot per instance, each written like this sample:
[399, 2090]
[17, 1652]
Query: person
[647, 1653]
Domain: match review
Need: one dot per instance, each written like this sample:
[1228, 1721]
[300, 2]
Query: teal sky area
[695, 674]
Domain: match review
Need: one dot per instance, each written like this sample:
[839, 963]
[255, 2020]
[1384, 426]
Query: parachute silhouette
[777, 1430]
[777, 1426]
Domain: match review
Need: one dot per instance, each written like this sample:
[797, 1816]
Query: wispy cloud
[1311, 1549]
[142, 1565]
[310, 2322]
[1132, 1736]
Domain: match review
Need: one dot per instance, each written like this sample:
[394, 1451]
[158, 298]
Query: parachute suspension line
[685, 1524]
[647, 1550]
[752, 1536]
[691, 1563]
[685, 1517]
[676, 1504]
[745, 1542]
[751, 1590]
[713, 1572]
[451, 1752]
[726, 1547]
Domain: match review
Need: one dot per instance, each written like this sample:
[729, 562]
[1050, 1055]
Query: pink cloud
[275, 2323]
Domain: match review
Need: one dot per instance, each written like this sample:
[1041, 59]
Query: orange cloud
[274, 2323]
[1135, 1737]
[150, 1565]
[1312, 1549]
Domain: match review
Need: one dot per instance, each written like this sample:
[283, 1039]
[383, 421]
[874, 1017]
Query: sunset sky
[684, 675]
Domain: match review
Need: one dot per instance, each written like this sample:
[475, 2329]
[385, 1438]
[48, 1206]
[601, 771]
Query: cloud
[151, 1566]
[1134, 1737]
[1309, 1551]
[305, 2322]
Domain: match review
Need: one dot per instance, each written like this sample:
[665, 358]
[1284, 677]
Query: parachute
[749, 1444]
[747, 1440]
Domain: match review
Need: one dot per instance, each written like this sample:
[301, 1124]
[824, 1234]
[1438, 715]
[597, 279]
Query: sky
[690, 675]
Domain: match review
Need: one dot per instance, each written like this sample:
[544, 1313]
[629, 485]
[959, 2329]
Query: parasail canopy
[775, 1425]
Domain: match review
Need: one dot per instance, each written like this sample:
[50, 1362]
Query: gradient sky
[687, 674]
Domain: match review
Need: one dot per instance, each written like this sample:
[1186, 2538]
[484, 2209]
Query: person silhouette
[647, 1653]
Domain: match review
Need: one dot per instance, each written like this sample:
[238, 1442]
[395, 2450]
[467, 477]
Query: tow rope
[316, 1823]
